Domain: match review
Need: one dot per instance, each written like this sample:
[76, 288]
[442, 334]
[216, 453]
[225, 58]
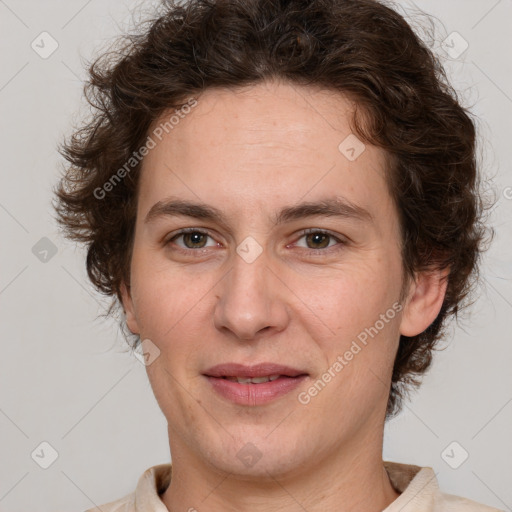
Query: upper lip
[257, 370]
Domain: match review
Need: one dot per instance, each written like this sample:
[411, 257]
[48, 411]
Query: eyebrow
[329, 207]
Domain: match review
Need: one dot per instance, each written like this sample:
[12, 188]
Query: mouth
[252, 380]
[254, 385]
[261, 370]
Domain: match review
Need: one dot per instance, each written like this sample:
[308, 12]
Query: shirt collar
[152, 483]
[418, 487]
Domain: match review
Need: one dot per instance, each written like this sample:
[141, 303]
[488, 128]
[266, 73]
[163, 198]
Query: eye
[192, 238]
[320, 240]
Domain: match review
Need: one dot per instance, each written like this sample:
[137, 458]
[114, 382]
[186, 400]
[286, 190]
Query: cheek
[353, 299]
[360, 309]
[167, 383]
[163, 295]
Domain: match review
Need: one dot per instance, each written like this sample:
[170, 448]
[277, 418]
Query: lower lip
[255, 394]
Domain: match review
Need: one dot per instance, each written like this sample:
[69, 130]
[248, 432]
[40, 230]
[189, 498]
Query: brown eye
[191, 239]
[194, 240]
[319, 240]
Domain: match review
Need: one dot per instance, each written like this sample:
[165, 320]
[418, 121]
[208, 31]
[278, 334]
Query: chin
[260, 453]
[267, 468]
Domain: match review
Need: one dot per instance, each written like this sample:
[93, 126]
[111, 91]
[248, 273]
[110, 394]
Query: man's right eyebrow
[180, 207]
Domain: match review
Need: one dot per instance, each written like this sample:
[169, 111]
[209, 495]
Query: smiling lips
[258, 370]
[253, 380]
[253, 385]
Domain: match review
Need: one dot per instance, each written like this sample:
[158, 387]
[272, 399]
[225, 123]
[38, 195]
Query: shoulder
[451, 503]
[125, 504]
[146, 495]
[420, 492]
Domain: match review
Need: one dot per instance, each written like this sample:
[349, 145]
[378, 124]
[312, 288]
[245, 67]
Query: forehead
[263, 146]
[278, 116]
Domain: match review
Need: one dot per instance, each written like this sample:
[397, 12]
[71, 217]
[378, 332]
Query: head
[327, 175]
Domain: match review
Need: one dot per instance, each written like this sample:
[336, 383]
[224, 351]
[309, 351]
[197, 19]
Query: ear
[127, 301]
[424, 301]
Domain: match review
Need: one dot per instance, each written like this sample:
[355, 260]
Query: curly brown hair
[360, 48]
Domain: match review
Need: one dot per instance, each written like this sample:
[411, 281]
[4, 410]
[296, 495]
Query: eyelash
[305, 232]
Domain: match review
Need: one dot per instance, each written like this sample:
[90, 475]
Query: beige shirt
[418, 487]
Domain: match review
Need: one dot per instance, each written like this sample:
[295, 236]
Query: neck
[342, 481]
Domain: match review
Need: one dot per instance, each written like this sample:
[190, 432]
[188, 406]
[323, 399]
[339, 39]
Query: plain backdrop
[66, 378]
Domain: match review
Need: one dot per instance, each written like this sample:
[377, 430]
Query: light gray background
[65, 377]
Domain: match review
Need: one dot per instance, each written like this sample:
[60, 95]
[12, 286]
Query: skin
[250, 153]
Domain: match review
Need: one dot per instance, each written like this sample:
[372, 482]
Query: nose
[251, 300]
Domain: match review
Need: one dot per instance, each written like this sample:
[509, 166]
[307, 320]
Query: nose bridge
[249, 298]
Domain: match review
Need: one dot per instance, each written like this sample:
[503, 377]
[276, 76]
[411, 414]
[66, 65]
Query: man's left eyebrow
[330, 207]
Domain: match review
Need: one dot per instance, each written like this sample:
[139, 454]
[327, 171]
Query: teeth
[253, 380]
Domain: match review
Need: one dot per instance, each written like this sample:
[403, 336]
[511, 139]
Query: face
[290, 267]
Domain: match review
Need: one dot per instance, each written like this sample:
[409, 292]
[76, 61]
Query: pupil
[317, 238]
[195, 237]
